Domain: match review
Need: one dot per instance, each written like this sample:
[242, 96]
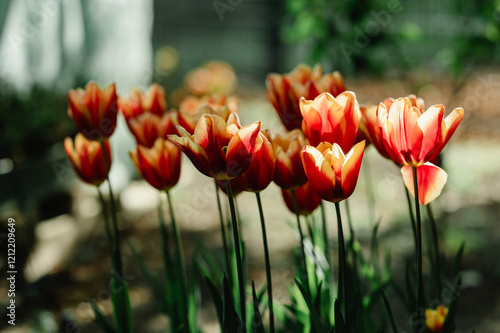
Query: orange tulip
[284, 91]
[218, 149]
[435, 318]
[331, 119]
[413, 137]
[192, 108]
[261, 170]
[94, 110]
[307, 200]
[148, 127]
[289, 171]
[138, 102]
[159, 165]
[211, 78]
[333, 175]
[87, 158]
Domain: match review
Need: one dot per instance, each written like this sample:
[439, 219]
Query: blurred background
[445, 52]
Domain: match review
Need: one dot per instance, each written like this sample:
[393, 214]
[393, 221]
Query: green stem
[268, 264]
[420, 288]
[325, 231]
[412, 217]
[107, 227]
[303, 252]
[224, 237]
[121, 299]
[342, 261]
[369, 190]
[239, 265]
[309, 224]
[436, 248]
[349, 220]
[180, 261]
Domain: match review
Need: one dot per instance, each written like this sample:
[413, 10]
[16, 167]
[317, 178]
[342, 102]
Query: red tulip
[138, 102]
[333, 175]
[94, 110]
[87, 159]
[307, 200]
[148, 127]
[218, 149]
[236, 186]
[211, 78]
[431, 180]
[192, 108]
[289, 171]
[261, 170]
[412, 137]
[284, 91]
[159, 165]
[331, 119]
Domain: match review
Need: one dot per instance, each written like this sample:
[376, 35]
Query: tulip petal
[319, 172]
[452, 121]
[350, 170]
[431, 180]
[193, 151]
[241, 149]
[431, 126]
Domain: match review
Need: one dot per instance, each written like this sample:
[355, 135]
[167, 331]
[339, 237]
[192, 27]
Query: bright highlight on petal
[431, 180]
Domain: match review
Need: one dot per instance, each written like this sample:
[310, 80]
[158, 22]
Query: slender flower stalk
[224, 237]
[342, 263]
[420, 286]
[412, 216]
[325, 231]
[123, 315]
[239, 264]
[303, 252]
[106, 221]
[435, 240]
[180, 260]
[268, 264]
[167, 261]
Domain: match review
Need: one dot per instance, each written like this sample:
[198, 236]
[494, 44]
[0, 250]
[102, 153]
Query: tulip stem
[303, 252]
[325, 231]
[268, 264]
[224, 237]
[420, 288]
[180, 261]
[436, 248]
[369, 191]
[412, 217]
[107, 227]
[239, 265]
[121, 301]
[342, 263]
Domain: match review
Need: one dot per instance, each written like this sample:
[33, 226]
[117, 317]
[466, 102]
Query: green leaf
[449, 322]
[257, 325]
[231, 322]
[122, 310]
[389, 312]
[339, 320]
[315, 318]
[458, 260]
[217, 299]
[100, 319]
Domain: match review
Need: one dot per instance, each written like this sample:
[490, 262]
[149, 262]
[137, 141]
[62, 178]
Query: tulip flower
[284, 91]
[211, 78]
[148, 127]
[236, 186]
[413, 137]
[87, 159]
[218, 149]
[192, 108]
[333, 175]
[261, 170]
[159, 165]
[307, 200]
[331, 119]
[435, 318]
[94, 110]
[289, 171]
[138, 102]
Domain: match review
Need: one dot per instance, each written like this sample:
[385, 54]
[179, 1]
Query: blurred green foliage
[31, 123]
[396, 36]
